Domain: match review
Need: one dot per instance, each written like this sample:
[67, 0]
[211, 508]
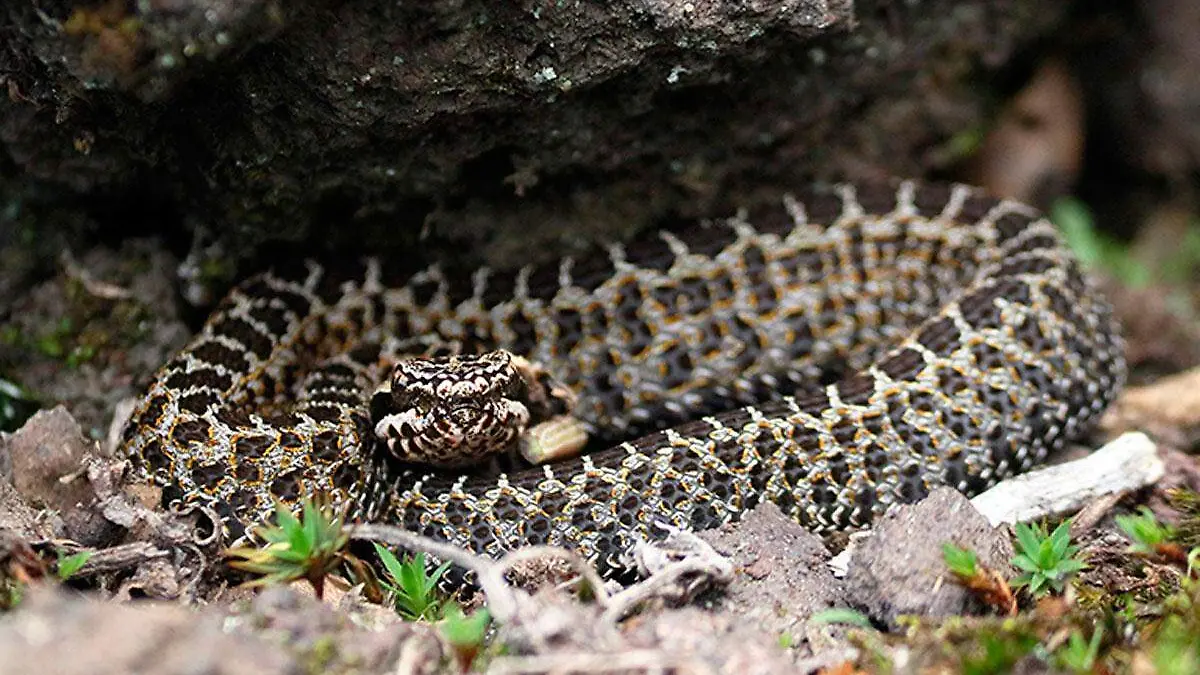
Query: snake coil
[972, 344]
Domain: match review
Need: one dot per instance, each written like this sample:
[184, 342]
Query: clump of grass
[310, 547]
[1046, 560]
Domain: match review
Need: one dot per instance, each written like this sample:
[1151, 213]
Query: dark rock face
[473, 119]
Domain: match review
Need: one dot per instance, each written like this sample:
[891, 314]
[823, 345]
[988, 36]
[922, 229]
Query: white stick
[1130, 462]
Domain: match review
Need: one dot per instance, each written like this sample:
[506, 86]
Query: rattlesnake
[963, 340]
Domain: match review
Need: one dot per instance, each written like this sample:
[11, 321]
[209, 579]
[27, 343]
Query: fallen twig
[1128, 463]
[95, 287]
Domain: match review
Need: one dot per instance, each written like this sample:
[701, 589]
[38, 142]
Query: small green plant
[1093, 248]
[26, 568]
[1146, 532]
[1046, 561]
[961, 561]
[1152, 538]
[412, 586]
[465, 634]
[987, 584]
[68, 565]
[310, 547]
[1079, 655]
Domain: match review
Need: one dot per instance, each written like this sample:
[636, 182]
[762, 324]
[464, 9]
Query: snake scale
[834, 355]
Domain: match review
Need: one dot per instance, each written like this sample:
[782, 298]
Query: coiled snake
[962, 339]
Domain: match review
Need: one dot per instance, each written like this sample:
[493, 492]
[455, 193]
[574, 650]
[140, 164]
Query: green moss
[1173, 641]
[979, 646]
[1074, 637]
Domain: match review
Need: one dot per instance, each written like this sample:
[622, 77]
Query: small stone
[49, 457]
[900, 569]
[782, 577]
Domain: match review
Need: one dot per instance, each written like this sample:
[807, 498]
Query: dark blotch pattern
[246, 334]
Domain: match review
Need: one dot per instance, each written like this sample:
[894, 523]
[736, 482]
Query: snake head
[451, 411]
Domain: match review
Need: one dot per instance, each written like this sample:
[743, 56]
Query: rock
[900, 570]
[280, 633]
[18, 517]
[782, 575]
[379, 120]
[693, 640]
[309, 628]
[49, 457]
[70, 635]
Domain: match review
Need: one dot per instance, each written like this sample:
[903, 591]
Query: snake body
[963, 339]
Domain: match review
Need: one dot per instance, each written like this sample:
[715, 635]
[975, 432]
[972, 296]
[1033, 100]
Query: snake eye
[388, 400]
[420, 402]
[381, 405]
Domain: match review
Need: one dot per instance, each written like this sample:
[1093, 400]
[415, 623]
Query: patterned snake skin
[836, 355]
